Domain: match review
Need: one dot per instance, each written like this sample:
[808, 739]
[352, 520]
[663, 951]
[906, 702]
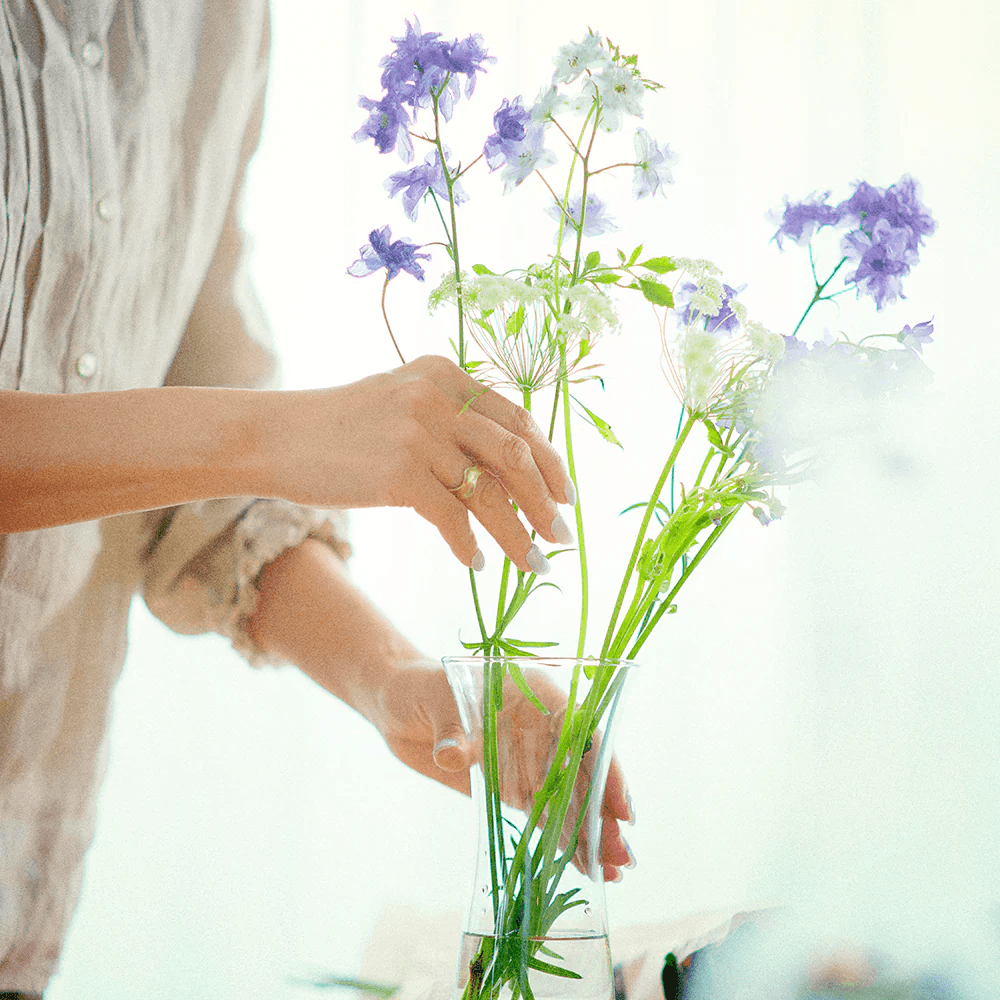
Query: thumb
[452, 751]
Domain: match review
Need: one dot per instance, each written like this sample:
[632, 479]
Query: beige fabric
[127, 128]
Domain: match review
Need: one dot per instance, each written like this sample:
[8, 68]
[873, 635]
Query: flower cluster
[886, 227]
[423, 70]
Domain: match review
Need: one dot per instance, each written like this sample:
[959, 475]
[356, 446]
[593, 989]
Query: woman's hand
[420, 724]
[405, 438]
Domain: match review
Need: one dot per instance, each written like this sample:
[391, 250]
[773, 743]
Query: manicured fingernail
[631, 809]
[478, 561]
[630, 864]
[561, 532]
[538, 564]
[570, 493]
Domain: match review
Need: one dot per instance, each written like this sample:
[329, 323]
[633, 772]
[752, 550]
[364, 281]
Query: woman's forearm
[79, 457]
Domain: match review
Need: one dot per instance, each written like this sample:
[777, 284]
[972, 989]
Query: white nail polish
[570, 493]
[561, 532]
[538, 563]
[478, 561]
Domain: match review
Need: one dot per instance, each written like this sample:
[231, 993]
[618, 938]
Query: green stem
[665, 606]
[450, 183]
[641, 535]
[818, 294]
[578, 507]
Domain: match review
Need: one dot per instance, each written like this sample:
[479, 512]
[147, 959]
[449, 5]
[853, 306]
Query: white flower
[652, 168]
[698, 354]
[765, 345]
[531, 155]
[621, 94]
[595, 309]
[548, 104]
[489, 291]
[577, 57]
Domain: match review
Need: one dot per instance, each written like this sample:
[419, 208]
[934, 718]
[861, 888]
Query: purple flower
[883, 259]
[800, 220]
[422, 63]
[511, 122]
[418, 180]
[596, 220]
[396, 256]
[898, 205]
[915, 337]
[387, 124]
[724, 321]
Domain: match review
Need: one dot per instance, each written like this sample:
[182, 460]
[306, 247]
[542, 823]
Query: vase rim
[546, 661]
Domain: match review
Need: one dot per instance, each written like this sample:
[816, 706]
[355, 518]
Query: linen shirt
[128, 125]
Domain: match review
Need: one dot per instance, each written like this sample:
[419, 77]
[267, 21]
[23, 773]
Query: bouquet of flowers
[536, 331]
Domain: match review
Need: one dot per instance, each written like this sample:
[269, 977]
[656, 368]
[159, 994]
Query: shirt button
[86, 365]
[91, 53]
[107, 209]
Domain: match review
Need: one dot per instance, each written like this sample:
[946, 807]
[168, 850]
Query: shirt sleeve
[203, 560]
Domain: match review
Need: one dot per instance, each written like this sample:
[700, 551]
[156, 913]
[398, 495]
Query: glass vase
[542, 733]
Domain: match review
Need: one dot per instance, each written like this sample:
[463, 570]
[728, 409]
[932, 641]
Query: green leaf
[604, 278]
[602, 425]
[715, 437]
[635, 255]
[481, 269]
[349, 983]
[532, 644]
[660, 265]
[592, 261]
[622, 257]
[553, 970]
[656, 293]
[525, 689]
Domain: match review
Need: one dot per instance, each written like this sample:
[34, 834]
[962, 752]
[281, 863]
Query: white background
[251, 828]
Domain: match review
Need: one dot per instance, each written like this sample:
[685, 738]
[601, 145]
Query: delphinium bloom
[915, 337]
[621, 90]
[800, 220]
[395, 256]
[652, 168]
[887, 226]
[576, 58]
[883, 258]
[511, 122]
[423, 67]
[596, 220]
[522, 159]
[418, 180]
[898, 205]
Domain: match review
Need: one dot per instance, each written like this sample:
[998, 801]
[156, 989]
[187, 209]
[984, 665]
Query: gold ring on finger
[467, 486]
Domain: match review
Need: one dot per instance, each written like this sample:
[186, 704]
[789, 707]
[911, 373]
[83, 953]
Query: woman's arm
[402, 438]
[80, 457]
